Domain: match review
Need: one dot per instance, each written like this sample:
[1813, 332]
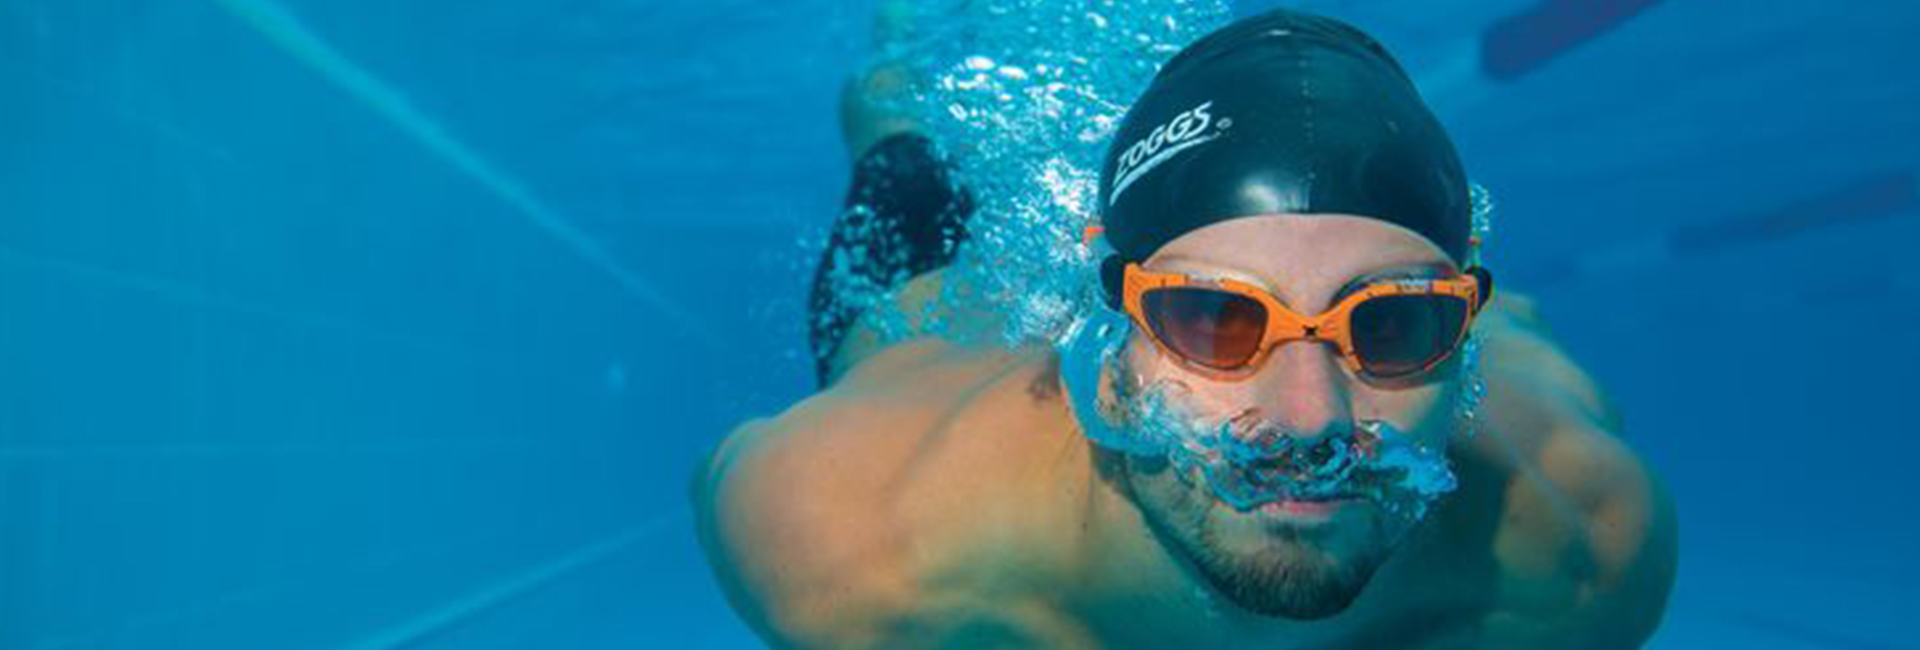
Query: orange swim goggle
[1391, 329]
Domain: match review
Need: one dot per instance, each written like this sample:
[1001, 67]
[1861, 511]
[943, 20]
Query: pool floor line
[172, 290]
[498, 591]
[159, 128]
[1816, 635]
[202, 611]
[1868, 199]
[285, 31]
[212, 451]
[1526, 41]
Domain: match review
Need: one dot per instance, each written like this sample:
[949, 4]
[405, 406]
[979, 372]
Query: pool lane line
[299, 449]
[231, 606]
[428, 624]
[1869, 198]
[286, 32]
[1521, 43]
[1817, 634]
[1866, 198]
[1472, 68]
[195, 296]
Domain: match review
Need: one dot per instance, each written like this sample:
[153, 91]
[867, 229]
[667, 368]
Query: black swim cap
[1280, 112]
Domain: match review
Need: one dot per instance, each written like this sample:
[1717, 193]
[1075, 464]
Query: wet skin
[938, 496]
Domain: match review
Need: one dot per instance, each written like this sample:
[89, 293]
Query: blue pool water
[362, 324]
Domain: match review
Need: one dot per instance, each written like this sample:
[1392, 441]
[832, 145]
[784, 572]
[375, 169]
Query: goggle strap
[1113, 278]
[1485, 288]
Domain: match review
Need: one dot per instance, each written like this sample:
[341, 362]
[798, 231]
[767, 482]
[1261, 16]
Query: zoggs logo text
[1184, 131]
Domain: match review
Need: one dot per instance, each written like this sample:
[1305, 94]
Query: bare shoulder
[912, 500]
[1587, 539]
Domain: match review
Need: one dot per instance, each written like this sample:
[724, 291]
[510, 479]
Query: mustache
[1323, 470]
[1272, 452]
[1250, 460]
[1249, 438]
[1247, 460]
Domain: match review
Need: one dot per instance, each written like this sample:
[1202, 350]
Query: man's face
[1299, 559]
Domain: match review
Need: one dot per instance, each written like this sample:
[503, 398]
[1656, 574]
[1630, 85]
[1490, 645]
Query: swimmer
[1271, 436]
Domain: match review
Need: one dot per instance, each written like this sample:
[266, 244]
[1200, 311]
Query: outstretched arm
[1588, 541]
[812, 557]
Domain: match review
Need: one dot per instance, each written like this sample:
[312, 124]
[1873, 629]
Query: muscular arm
[813, 553]
[1587, 544]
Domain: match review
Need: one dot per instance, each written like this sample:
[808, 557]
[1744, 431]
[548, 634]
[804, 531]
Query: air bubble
[1025, 94]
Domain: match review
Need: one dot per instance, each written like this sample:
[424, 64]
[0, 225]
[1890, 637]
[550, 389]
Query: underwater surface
[354, 324]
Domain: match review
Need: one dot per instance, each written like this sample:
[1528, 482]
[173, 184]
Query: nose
[1303, 389]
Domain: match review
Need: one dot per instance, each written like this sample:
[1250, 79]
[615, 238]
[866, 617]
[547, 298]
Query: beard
[1273, 568]
[1290, 577]
[1205, 497]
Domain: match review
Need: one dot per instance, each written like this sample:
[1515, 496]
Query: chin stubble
[1288, 577]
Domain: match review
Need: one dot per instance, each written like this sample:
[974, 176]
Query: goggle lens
[1214, 328]
[1400, 335]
